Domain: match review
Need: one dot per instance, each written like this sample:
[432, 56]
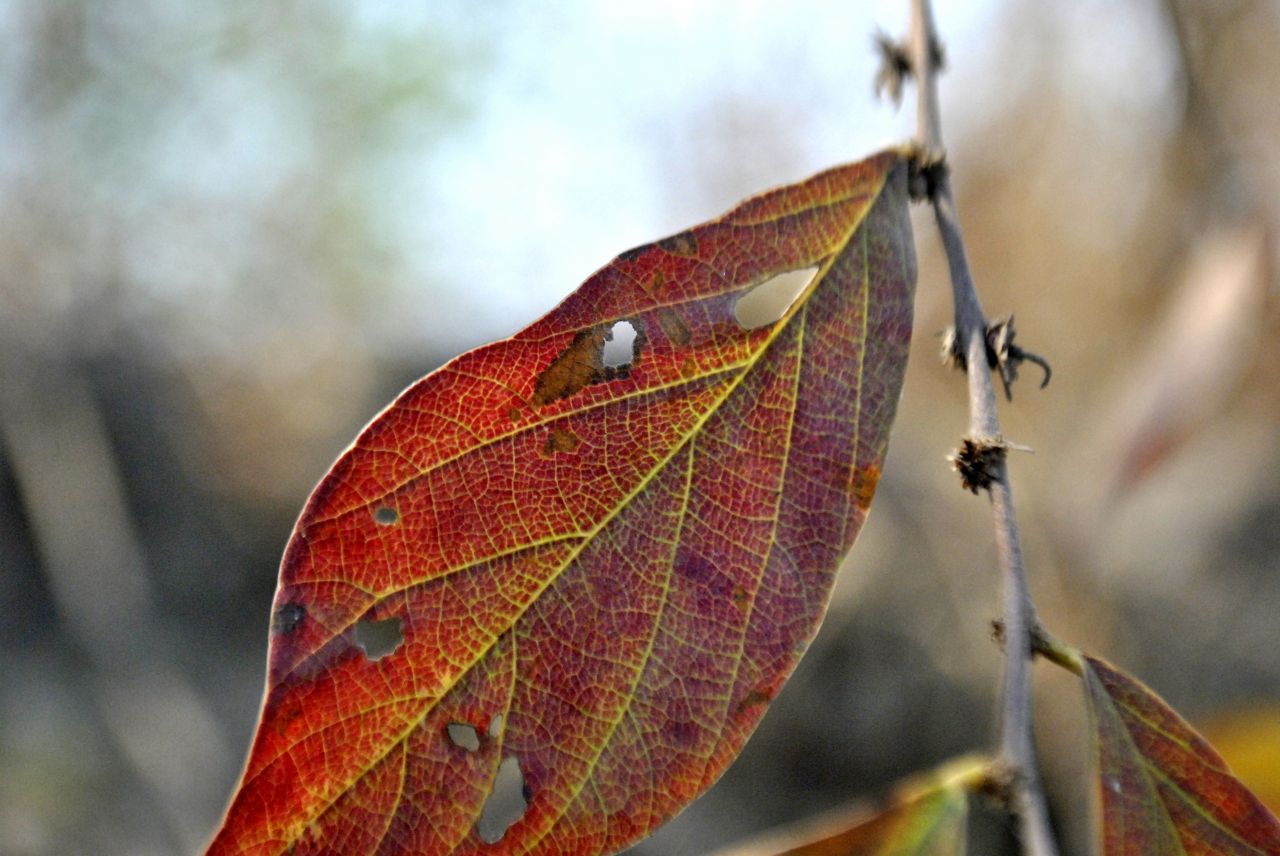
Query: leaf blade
[1162, 787]
[577, 546]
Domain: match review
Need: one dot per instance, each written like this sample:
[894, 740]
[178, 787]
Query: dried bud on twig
[978, 462]
[895, 67]
[1004, 355]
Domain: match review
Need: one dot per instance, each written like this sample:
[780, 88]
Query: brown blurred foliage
[198, 309]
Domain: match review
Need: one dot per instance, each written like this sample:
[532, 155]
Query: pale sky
[591, 127]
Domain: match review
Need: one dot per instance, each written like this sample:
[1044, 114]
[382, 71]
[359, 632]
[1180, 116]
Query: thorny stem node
[1017, 749]
[979, 463]
[1000, 784]
[1002, 354]
[895, 67]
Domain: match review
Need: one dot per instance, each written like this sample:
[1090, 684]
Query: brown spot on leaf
[582, 363]
[560, 440]
[757, 696]
[740, 598]
[683, 244]
[506, 803]
[655, 283]
[513, 413]
[628, 255]
[577, 366]
[284, 719]
[863, 485]
[677, 332]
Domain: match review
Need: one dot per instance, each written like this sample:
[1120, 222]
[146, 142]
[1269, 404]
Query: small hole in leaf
[495, 727]
[386, 516]
[767, 302]
[506, 802]
[464, 736]
[379, 638]
[619, 345]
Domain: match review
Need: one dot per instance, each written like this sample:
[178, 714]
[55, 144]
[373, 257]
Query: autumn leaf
[602, 544]
[927, 817]
[1163, 788]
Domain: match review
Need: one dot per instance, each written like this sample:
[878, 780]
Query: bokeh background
[230, 232]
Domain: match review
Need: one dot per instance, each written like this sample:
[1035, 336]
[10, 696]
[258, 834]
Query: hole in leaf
[506, 802]
[464, 736]
[386, 516]
[767, 302]
[379, 638]
[619, 345]
[495, 727]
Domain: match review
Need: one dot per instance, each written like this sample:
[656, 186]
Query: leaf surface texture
[607, 540]
[1163, 789]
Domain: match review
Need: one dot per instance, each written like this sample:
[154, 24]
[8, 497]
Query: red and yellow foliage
[604, 565]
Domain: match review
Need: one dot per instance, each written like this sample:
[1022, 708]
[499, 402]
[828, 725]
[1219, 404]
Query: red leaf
[1249, 739]
[1163, 787]
[605, 556]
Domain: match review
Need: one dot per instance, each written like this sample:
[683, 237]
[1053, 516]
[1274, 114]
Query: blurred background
[231, 232]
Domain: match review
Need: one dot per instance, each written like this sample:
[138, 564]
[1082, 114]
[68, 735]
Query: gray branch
[1017, 748]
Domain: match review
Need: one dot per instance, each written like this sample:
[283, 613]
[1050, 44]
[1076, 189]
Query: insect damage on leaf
[755, 697]
[605, 542]
[601, 353]
[767, 302]
[560, 440]
[378, 638]
[506, 803]
[684, 244]
[464, 736]
[673, 326]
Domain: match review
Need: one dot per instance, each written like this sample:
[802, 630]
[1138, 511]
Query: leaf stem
[1017, 747]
